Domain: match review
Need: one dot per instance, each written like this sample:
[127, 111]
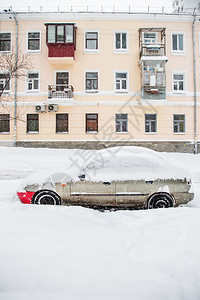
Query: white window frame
[121, 123]
[121, 50]
[91, 51]
[127, 81]
[156, 37]
[179, 121]
[184, 82]
[93, 90]
[178, 52]
[33, 51]
[6, 91]
[27, 81]
[150, 124]
[10, 51]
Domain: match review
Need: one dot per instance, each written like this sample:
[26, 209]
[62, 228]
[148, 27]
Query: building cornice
[122, 16]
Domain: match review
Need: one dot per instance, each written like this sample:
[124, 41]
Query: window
[33, 81]
[92, 123]
[152, 77]
[32, 123]
[150, 123]
[121, 81]
[4, 123]
[5, 42]
[60, 33]
[121, 122]
[178, 82]
[91, 40]
[61, 123]
[33, 41]
[62, 80]
[178, 42]
[4, 82]
[179, 123]
[149, 38]
[121, 41]
[91, 81]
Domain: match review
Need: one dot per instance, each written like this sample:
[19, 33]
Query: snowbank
[132, 163]
[73, 253]
[111, 164]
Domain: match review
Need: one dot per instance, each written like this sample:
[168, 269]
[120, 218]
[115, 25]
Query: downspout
[195, 90]
[15, 92]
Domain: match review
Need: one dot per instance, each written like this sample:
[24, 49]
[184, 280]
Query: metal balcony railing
[157, 49]
[154, 92]
[60, 91]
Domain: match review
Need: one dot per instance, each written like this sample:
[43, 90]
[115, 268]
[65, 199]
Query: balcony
[154, 92]
[152, 44]
[61, 42]
[152, 50]
[60, 91]
[153, 83]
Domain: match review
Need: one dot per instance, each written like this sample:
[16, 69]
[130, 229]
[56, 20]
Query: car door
[93, 193]
[131, 192]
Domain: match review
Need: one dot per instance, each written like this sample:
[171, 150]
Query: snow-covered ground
[72, 253]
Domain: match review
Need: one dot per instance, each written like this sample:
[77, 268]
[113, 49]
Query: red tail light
[25, 197]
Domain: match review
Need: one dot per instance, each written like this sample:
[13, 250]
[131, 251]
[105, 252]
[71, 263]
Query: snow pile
[74, 253]
[111, 164]
[132, 163]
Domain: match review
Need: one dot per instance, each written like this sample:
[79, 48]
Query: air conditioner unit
[52, 107]
[40, 107]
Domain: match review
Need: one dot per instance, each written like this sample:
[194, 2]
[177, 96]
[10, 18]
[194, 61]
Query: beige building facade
[102, 79]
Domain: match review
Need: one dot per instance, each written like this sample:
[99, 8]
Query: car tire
[160, 200]
[46, 197]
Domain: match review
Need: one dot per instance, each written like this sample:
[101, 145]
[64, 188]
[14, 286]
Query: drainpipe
[15, 92]
[195, 90]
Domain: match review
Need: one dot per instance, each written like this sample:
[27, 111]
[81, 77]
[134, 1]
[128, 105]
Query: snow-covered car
[118, 177]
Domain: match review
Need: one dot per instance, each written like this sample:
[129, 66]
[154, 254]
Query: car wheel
[46, 197]
[160, 200]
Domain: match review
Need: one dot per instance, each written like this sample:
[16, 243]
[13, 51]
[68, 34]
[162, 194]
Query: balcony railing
[154, 92]
[60, 91]
[157, 49]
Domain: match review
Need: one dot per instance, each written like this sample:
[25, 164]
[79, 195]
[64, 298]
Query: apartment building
[102, 79]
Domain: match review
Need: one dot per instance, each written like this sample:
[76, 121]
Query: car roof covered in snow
[113, 164]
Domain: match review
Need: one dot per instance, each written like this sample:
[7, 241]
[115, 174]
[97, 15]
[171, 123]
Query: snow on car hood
[111, 164]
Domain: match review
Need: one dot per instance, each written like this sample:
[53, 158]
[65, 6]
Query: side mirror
[82, 177]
